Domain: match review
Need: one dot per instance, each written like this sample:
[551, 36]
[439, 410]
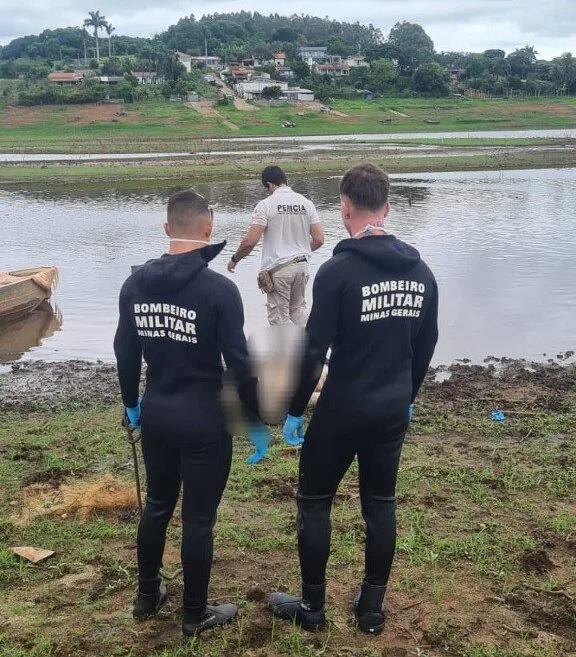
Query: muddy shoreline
[38, 386]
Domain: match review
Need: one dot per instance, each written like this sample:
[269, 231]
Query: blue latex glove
[410, 412]
[293, 431]
[260, 439]
[133, 415]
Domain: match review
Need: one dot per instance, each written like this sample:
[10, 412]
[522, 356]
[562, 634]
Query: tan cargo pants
[287, 303]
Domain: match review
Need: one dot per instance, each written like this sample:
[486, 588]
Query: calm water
[502, 246]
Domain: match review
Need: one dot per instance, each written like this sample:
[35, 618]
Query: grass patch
[485, 549]
[161, 126]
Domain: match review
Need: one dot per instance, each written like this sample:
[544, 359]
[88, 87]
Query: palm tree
[97, 22]
[109, 29]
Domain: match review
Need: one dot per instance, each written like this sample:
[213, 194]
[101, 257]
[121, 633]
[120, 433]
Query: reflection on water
[17, 338]
[501, 244]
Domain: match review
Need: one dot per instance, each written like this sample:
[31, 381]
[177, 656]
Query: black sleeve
[424, 343]
[232, 344]
[128, 351]
[321, 331]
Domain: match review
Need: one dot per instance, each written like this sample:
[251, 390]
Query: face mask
[183, 240]
[368, 229]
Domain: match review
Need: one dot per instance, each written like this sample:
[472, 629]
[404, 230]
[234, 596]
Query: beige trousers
[287, 303]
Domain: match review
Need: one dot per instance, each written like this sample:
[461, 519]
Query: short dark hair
[185, 208]
[367, 186]
[274, 175]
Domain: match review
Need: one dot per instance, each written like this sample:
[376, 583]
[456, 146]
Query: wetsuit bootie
[307, 611]
[149, 602]
[213, 616]
[369, 608]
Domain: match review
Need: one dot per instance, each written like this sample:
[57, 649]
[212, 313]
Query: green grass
[159, 126]
[472, 503]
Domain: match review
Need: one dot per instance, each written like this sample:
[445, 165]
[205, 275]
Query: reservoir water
[502, 246]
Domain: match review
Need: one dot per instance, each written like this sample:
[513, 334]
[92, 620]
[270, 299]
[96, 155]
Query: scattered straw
[80, 500]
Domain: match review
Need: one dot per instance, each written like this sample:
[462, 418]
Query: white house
[185, 60]
[285, 72]
[146, 77]
[356, 61]
[280, 59]
[298, 95]
[314, 54]
[253, 90]
[209, 62]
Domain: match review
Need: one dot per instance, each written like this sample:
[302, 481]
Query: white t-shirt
[287, 217]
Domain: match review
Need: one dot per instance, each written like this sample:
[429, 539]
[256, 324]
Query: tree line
[404, 62]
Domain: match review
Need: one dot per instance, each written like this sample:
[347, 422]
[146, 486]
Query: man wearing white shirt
[291, 230]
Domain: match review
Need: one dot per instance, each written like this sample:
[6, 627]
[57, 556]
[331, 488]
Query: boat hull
[22, 291]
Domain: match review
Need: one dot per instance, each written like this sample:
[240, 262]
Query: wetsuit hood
[173, 272]
[385, 251]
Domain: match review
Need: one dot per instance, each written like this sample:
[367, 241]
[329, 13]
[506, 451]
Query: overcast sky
[468, 25]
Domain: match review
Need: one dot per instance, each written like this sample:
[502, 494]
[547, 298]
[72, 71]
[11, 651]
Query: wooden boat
[22, 291]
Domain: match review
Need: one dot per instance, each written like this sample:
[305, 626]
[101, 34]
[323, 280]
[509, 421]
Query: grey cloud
[550, 25]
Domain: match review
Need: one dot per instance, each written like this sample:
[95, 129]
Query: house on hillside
[285, 72]
[241, 73]
[298, 95]
[185, 60]
[280, 59]
[109, 79]
[66, 79]
[252, 62]
[356, 61]
[208, 62]
[147, 77]
[333, 70]
[314, 54]
[455, 73]
[253, 90]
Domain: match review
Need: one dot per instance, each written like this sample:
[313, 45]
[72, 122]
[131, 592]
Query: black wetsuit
[375, 304]
[182, 317]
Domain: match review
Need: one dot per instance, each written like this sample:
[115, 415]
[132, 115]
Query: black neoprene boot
[151, 596]
[369, 608]
[307, 611]
[213, 616]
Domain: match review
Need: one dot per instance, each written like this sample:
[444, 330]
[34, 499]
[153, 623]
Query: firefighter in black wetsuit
[183, 317]
[375, 303]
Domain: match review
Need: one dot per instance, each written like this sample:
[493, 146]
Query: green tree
[171, 68]
[494, 54]
[413, 46]
[97, 22]
[382, 75]
[359, 77]
[271, 93]
[285, 34]
[476, 66]
[300, 68]
[564, 71]
[430, 79]
[522, 61]
[337, 46]
[113, 66]
[109, 29]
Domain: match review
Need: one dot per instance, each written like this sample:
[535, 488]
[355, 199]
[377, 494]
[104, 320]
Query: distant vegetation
[404, 63]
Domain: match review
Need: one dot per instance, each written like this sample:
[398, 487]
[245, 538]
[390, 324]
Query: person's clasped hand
[259, 436]
[293, 431]
[133, 415]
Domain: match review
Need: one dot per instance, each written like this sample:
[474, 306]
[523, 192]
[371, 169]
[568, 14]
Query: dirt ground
[487, 526]
[75, 114]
